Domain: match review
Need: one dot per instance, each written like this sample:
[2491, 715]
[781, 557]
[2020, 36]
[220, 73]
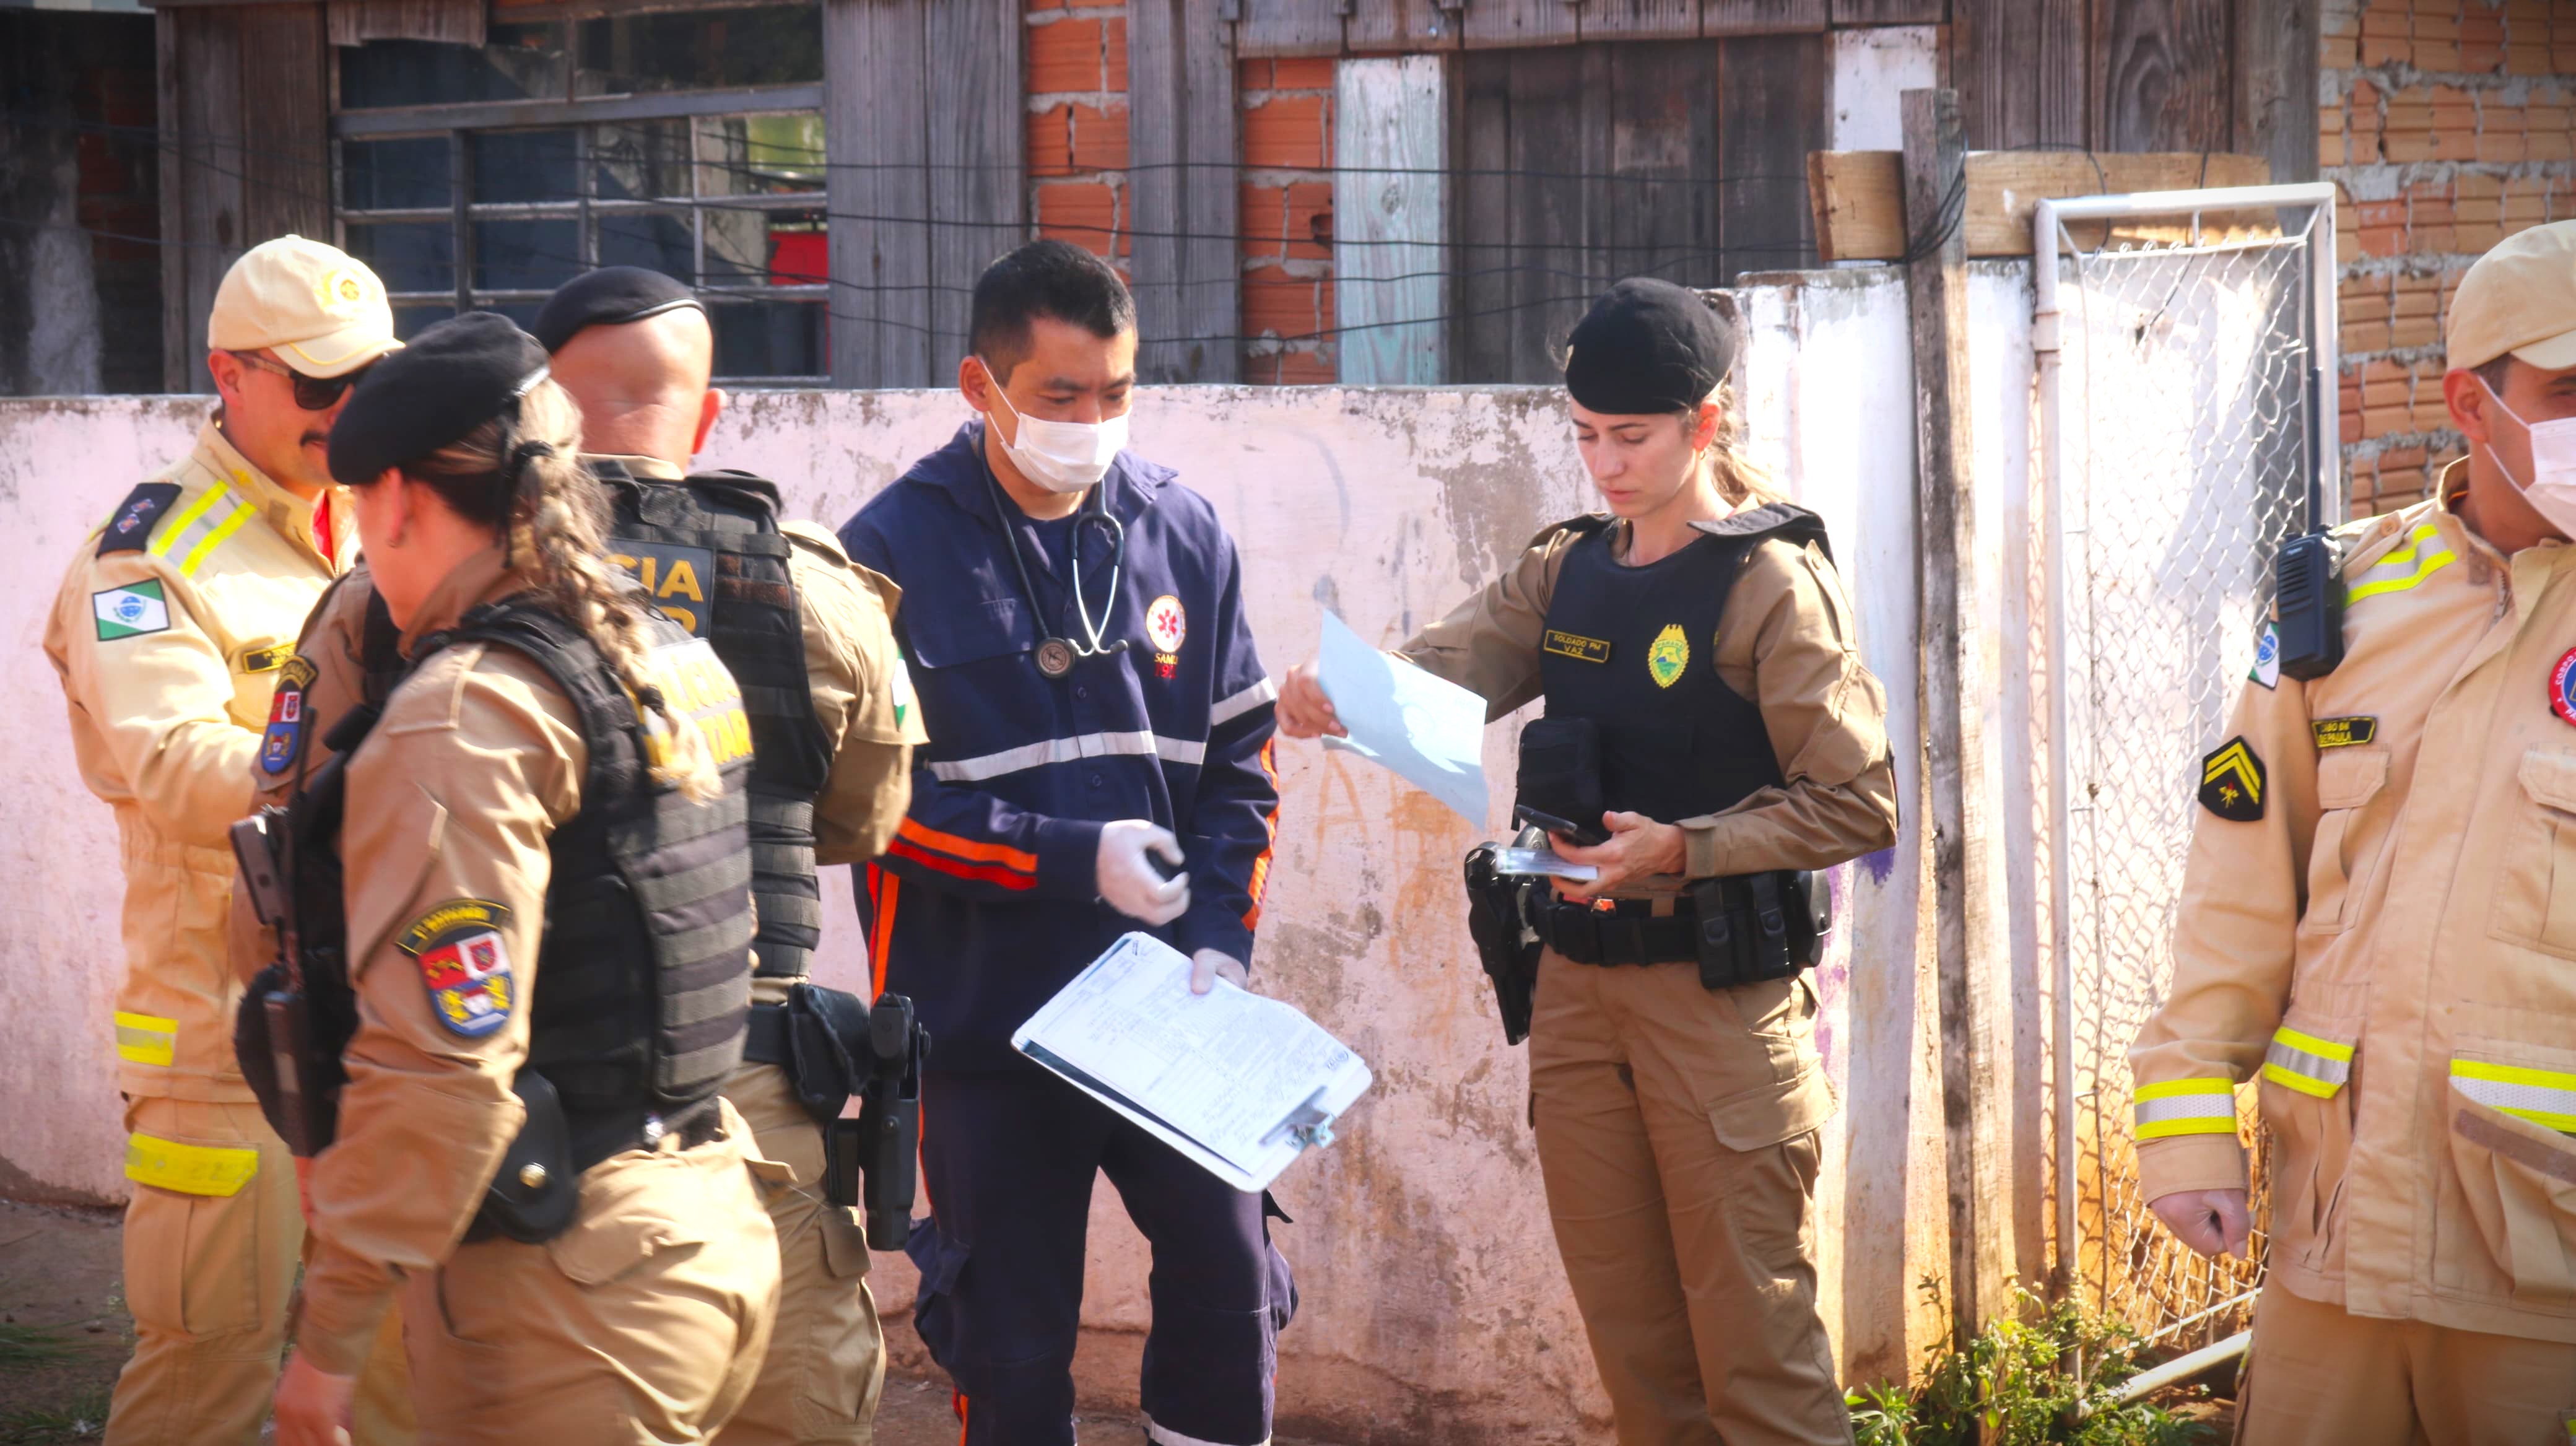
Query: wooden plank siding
[1390, 125]
[1182, 129]
[2153, 84]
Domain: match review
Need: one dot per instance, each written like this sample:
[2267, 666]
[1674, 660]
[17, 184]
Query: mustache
[316, 439]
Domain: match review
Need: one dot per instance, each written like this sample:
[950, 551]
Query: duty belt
[765, 1040]
[596, 1137]
[1628, 934]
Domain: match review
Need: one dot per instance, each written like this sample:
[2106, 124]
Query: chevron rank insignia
[2231, 782]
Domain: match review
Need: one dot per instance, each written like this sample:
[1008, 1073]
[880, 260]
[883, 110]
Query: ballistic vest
[1635, 650]
[709, 552]
[645, 984]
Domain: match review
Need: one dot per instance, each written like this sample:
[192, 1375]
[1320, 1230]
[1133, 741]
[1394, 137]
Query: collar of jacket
[478, 579]
[643, 469]
[959, 469]
[286, 514]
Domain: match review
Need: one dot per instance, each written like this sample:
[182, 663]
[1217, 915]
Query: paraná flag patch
[130, 611]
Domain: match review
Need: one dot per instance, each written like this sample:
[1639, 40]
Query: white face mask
[2552, 488]
[1059, 456]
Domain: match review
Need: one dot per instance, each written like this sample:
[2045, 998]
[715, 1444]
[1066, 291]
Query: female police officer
[558, 765]
[1707, 703]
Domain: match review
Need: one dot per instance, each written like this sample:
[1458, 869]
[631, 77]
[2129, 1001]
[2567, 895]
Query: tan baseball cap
[318, 307]
[2520, 298]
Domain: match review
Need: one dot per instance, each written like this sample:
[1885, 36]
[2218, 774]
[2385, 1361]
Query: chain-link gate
[2187, 430]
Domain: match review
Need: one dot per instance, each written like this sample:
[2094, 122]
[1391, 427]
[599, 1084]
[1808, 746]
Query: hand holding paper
[1430, 731]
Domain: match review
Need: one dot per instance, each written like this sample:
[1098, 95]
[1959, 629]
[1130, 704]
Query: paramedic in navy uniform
[1086, 710]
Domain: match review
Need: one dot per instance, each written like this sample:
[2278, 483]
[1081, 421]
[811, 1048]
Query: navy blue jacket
[984, 906]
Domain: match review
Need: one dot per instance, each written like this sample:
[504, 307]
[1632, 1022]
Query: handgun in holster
[1757, 927]
[1498, 920]
[841, 1045]
[273, 1033]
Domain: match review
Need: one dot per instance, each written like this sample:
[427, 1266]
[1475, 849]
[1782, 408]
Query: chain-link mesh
[2184, 404]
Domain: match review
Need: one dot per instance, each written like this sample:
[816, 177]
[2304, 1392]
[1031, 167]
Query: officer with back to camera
[1712, 729]
[2378, 918]
[170, 634]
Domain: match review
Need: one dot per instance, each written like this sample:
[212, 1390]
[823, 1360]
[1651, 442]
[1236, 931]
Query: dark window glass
[702, 49]
[407, 255]
[640, 160]
[764, 248]
[386, 175]
[409, 320]
[759, 155]
[526, 255]
[655, 240]
[523, 166]
[517, 62]
[768, 338]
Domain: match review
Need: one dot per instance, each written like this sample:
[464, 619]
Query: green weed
[83, 1419]
[2016, 1385]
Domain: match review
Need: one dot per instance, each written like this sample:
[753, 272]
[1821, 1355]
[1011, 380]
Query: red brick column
[1287, 221]
[1077, 100]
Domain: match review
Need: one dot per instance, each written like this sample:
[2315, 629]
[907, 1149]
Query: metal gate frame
[2325, 506]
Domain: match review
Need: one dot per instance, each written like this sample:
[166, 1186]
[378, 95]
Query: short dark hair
[1044, 278]
[2495, 373]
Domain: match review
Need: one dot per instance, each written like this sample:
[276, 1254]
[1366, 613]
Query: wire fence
[2188, 444]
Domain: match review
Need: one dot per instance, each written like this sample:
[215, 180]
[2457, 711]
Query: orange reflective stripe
[884, 889]
[1260, 886]
[949, 843]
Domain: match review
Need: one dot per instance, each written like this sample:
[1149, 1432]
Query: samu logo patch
[1668, 656]
[464, 963]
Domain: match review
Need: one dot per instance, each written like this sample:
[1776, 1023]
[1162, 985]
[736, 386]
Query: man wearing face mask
[1099, 720]
[2378, 921]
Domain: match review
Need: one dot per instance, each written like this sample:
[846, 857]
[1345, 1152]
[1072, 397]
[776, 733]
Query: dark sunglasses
[313, 394]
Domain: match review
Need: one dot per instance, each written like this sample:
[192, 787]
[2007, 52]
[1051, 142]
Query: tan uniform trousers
[208, 1278]
[643, 1323]
[1692, 1260]
[826, 1365]
[2320, 1375]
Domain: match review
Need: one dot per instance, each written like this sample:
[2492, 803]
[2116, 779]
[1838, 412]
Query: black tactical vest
[645, 984]
[710, 553]
[1635, 650]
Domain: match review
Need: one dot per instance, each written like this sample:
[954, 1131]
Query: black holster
[833, 1045]
[536, 1193]
[1499, 922]
[1755, 927]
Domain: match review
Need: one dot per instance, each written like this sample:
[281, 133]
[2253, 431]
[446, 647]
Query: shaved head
[642, 386]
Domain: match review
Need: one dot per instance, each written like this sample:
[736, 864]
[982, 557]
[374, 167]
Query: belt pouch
[827, 1031]
[537, 1192]
[1714, 934]
[1770, 933]
[1560, 768]
[844, 1146]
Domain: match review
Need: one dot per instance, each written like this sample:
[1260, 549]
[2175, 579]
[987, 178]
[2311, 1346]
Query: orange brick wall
[1077, 105]
[1287, 205]
[2448, 125]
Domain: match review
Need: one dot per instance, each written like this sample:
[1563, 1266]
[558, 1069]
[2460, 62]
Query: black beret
[1647, 346]
[610, 296]
[451, 379]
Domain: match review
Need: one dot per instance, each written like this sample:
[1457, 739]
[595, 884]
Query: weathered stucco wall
[1434, 1309]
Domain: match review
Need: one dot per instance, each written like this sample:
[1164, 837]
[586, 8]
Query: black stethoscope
[1056, 655]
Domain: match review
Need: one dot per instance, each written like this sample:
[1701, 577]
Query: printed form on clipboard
[1240, 1084]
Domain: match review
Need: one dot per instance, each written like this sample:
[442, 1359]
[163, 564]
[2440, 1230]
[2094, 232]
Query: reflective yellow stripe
[2542, 1096]
[221, 530]
[2428, 564]
[2305, 1063]
[187, 516]
[2185, 1107]
[145, 1038]
[188, 1169]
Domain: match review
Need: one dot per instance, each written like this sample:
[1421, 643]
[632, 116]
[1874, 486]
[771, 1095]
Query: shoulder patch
[283, 739]
[464, 963]
[2231, 782]
[131, 527]
[130, 611]
[2267, 658]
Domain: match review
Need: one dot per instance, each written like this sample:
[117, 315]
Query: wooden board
[1772, 112]
[1638, 19]
[1289, 27]
[1389, 266]
[2021, 71]
[198, 132]
[1503, 24]
[2158, 82]
[285, 76]
[1400, 25]
[1859, 212]
[876, 74]
[1761, 17]
[2275, 79]
[976, 155]
[1890, 12]
[1182, 194]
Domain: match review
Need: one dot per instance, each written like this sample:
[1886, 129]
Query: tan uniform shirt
[1785, 641]
[2399, 965]
[451, 800]
[168, 656]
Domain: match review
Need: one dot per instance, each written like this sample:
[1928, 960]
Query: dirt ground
[64, 1331]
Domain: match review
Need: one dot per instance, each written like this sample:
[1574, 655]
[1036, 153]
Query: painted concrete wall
[1434, 1309]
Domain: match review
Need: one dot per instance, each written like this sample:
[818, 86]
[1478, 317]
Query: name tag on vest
[1576, 646]
[677, 577]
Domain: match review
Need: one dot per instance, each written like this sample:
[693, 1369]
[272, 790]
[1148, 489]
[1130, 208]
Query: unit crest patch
[2231, 782]
[2343, 732]
[283, 739]
[1668, 656]
[2562, 688]
[464, 963]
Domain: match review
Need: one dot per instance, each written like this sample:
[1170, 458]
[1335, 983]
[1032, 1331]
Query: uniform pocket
[2535, 892]
[192, 1261]
[1759, 1118]
[2307, 1100]
[2347, 781]
[2513, 1110]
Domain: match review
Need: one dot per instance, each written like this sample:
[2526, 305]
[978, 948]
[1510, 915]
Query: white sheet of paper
[1430, 731]
[1543, 863]
[1213, 1075]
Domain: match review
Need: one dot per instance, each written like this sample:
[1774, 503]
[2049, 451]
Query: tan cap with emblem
[2520, 299]
[319, 308]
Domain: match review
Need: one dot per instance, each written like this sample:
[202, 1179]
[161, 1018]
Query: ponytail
[531, 477]
[1742, 481]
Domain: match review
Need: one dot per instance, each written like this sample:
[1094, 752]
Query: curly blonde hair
[560, 521]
